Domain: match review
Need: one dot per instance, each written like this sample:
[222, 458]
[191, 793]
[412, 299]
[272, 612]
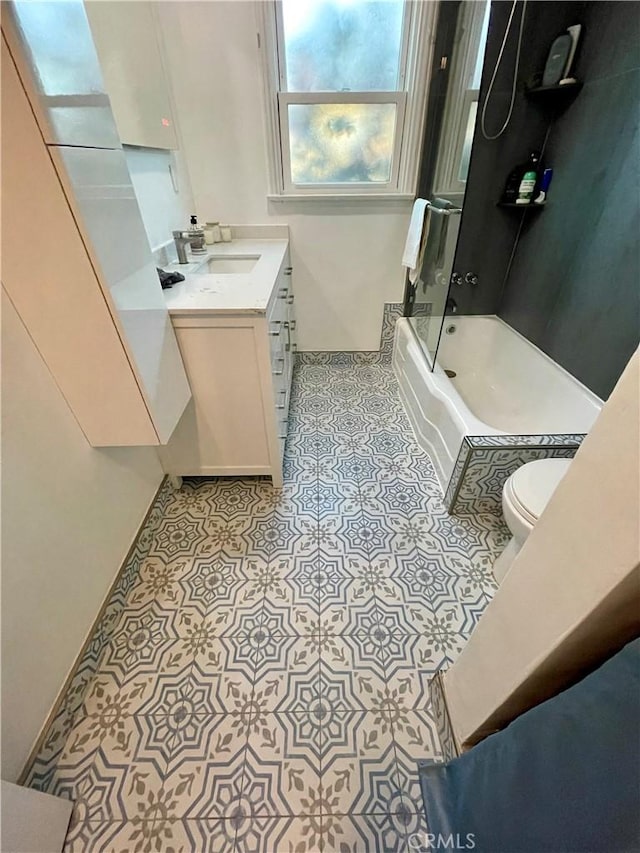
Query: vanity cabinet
[240, 367]
[126, 37]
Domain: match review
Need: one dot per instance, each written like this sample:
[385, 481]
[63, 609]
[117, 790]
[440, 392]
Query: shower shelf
[553, 93]
[514, 206]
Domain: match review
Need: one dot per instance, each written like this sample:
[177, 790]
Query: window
[345, 88]
[459, 122]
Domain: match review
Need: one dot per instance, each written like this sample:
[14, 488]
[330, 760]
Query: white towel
[414, 243]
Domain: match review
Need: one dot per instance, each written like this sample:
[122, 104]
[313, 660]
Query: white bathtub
[504, 385]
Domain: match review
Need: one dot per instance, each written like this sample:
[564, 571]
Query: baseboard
[391, 311]
[40, 766]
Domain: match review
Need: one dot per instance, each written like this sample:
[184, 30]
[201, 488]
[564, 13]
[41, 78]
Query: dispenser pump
[196, 235]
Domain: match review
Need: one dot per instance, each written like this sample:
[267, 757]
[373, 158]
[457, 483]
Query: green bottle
[529, 180]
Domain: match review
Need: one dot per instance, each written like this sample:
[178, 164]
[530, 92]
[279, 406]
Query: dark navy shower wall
[567, 277]
[574, 289]
[487, 233]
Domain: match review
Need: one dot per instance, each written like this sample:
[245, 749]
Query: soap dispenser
[196, 236]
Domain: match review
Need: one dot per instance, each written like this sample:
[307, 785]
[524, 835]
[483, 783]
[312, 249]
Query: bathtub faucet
[451, 306]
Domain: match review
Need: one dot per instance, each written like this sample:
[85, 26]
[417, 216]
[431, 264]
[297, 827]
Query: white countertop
[235, 293]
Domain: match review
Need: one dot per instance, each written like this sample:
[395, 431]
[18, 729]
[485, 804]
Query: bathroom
[96, 537]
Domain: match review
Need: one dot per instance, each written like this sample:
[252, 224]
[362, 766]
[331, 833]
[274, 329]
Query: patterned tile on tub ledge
[391, 312]
[441, 717]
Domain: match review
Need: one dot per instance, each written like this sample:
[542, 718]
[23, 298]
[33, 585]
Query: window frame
[284, 99]
[469, 98]
[410, 99]
[460, 96]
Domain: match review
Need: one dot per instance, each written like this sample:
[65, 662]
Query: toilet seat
[515, 505]
[531, 486]
[524, 496]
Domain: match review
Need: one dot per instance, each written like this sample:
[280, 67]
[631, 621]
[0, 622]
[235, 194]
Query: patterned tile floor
[265, 689]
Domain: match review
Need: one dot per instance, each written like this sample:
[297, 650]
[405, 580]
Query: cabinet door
[101, 195]
[224, 428]
[126, 38]
[54, 289]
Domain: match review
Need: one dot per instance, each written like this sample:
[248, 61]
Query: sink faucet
[181, 239]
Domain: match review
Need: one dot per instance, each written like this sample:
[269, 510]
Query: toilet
[524, 496]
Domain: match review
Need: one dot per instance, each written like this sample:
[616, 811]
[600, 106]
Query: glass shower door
[428, 297]
[451, 116]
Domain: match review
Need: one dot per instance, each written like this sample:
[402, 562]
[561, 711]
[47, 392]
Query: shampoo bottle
[529, 180]
[544, 186]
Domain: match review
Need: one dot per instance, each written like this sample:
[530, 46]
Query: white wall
[69, 515]
[574, 588]
[346, 257]
[163, 208]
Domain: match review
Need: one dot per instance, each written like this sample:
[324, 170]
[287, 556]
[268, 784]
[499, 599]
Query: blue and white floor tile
[266, 686]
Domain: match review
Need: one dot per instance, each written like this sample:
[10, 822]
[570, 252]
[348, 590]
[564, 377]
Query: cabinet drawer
[282, 294]
[278, 307]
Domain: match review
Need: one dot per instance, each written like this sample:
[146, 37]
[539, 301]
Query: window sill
[333, 197]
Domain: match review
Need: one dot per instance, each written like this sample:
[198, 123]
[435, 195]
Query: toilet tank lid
[535, 482]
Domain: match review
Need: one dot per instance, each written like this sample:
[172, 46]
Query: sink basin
[229, 264]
